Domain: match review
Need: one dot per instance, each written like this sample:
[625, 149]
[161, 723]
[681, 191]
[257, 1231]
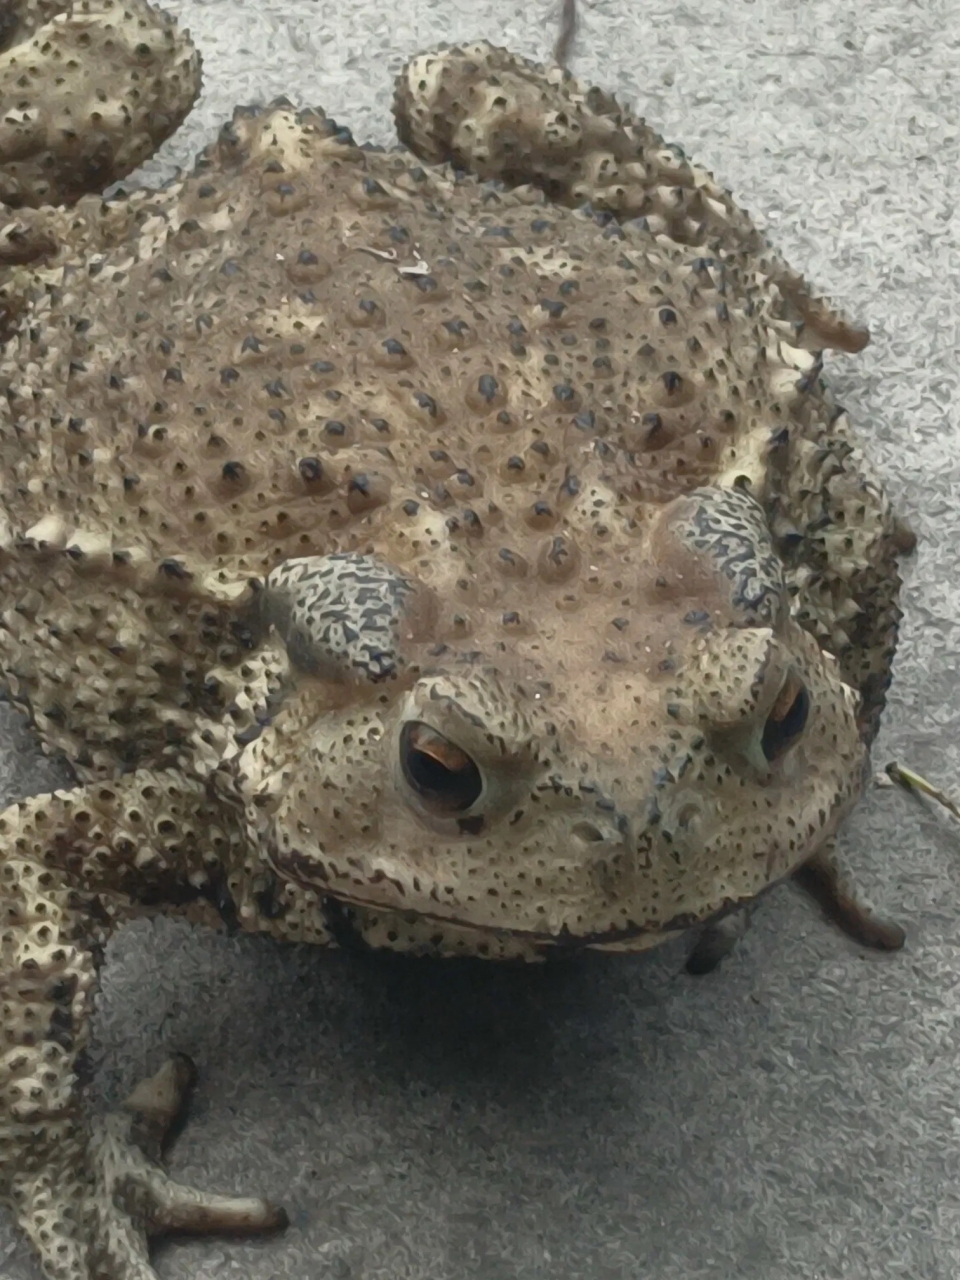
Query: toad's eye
[787, 718]
[442, 775]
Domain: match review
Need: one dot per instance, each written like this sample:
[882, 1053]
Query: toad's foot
[90, 1219]
[716, 940]
[830, 884]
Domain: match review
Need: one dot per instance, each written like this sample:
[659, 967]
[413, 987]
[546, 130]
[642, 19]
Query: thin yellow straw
[911, 781]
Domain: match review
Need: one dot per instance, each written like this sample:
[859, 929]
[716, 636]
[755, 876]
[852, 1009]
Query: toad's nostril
[587, 832]
[687, 814]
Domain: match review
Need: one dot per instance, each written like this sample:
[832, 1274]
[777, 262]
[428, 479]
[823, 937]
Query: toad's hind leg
[72, 864]
[500, 116]
[88, 91]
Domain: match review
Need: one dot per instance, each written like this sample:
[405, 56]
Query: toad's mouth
[564, 938]
[413, 900]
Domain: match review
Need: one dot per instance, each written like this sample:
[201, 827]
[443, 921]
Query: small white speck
[388, 255]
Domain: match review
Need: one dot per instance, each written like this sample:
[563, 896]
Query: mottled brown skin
[402, 557]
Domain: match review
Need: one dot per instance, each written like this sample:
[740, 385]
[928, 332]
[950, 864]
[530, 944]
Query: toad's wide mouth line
[565, 939]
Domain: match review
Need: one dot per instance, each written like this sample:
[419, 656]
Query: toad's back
[309, 347]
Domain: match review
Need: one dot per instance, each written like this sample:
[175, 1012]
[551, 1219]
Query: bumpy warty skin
[409, 557]
[501, 117]
[88, 90]
[309, 348]
[579, 146]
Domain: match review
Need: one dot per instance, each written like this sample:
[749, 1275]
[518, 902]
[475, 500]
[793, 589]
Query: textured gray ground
[795, 1114]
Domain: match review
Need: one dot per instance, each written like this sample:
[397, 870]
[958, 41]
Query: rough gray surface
[793, 1115]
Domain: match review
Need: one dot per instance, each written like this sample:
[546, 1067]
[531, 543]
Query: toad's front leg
[831, 884]
[71, 865]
